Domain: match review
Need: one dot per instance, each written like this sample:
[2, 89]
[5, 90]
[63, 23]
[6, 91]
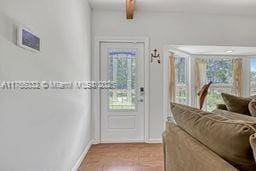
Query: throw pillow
[237, 104]
[252, 107]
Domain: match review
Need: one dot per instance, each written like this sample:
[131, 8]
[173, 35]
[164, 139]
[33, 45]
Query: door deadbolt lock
[142, 91]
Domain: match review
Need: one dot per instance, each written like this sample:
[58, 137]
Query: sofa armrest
[182, 152]
[221, 106]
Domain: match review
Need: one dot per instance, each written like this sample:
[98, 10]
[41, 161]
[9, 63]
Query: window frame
[218, 85]
[187, 78]
[193, 100]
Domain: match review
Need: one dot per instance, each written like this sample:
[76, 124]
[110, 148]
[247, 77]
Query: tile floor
[124, 157]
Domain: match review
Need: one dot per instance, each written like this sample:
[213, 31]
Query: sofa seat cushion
[221, 106]
[229, 138]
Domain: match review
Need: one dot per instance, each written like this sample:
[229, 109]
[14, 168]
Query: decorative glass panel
[122, 68]
[253, 78]
[181, 95]
[214, 97]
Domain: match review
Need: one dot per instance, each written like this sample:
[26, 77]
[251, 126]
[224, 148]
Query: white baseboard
[82, 157]
[150, 141]
[122, 141]
[95, 141]
[154, 141]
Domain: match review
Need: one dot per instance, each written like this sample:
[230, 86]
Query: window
[253, 77]
[219, 71]
[181, 80]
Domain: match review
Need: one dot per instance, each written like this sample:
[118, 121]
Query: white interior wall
[45, 130]
[174, 28]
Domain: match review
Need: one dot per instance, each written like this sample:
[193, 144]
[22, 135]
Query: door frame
[96, 70]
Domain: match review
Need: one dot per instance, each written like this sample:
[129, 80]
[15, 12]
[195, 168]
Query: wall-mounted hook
[155, 55]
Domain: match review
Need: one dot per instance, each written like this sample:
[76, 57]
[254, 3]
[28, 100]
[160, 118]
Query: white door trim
[96, 106]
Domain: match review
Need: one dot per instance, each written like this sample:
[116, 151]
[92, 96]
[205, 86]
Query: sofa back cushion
[234, 116]
[228, 138]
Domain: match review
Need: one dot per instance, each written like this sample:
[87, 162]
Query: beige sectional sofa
[200, 141]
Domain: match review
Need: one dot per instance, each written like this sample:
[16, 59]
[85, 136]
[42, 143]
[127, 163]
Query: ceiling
[197, 6]
[216, 50]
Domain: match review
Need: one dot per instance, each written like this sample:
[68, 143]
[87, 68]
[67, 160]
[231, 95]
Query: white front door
[122, 109]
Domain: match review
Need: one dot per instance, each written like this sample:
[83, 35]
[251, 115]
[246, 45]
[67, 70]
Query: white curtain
[172, 82]
[200, 75]
[237, 76]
